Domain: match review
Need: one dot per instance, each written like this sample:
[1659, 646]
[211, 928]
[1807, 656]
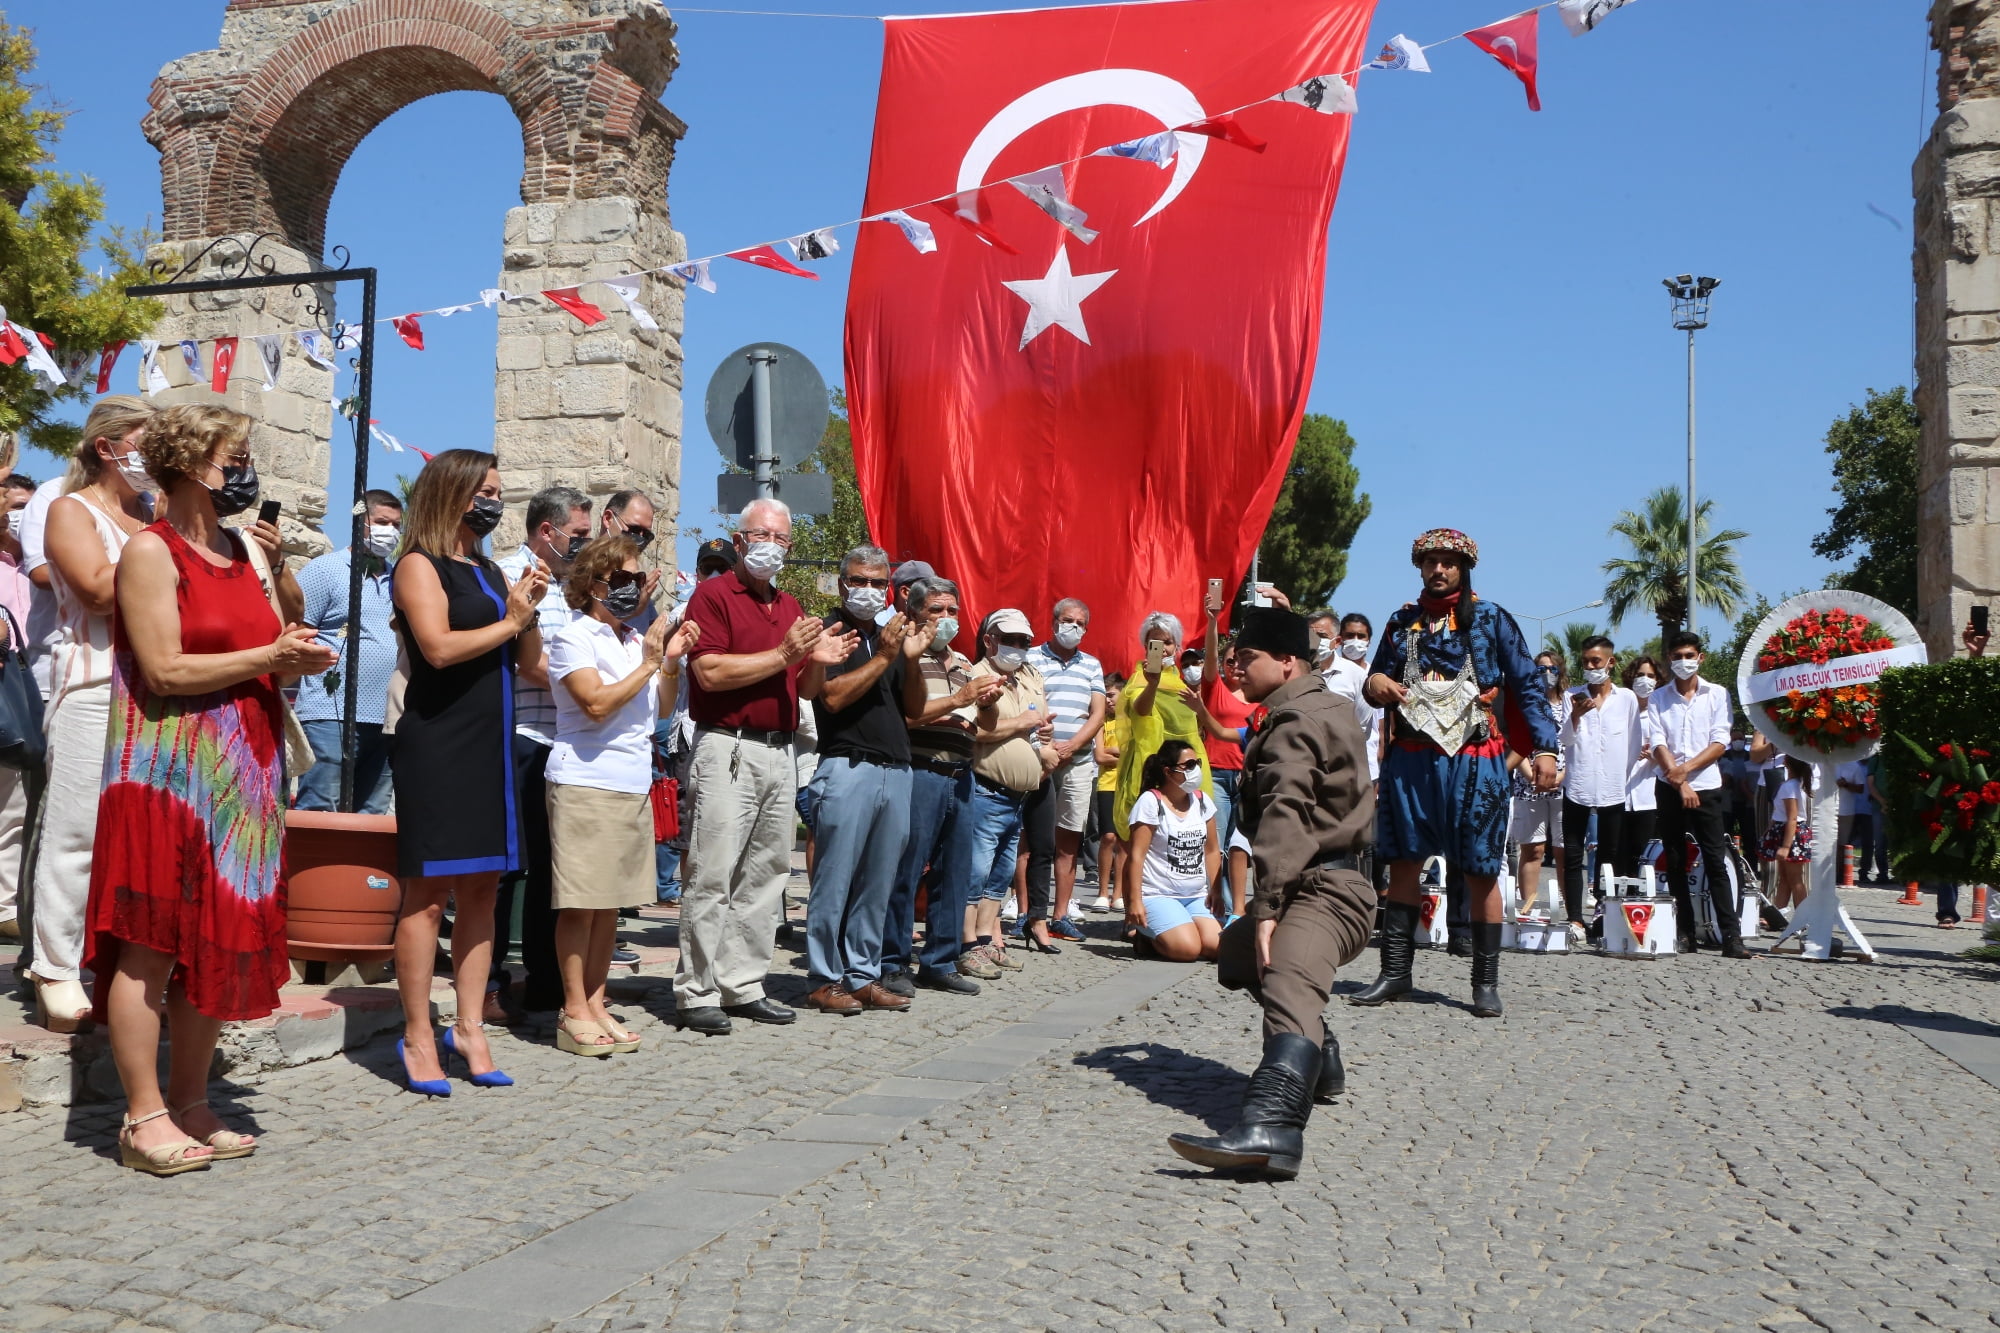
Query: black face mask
[238, 490]
[623, 601]
[484, 516]
[576, 545]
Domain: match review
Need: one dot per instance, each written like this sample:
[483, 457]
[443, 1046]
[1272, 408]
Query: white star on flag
[1401, 53]
[626, 289]
[1057, 299]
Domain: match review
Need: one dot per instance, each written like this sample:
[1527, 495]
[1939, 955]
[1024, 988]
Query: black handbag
[22, 744]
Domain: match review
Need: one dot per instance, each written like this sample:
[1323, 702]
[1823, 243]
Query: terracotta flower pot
[343, 892]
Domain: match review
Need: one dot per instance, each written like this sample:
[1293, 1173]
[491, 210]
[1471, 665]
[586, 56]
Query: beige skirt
[601, 844]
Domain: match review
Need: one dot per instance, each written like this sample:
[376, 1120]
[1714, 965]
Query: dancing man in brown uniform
[1307, 806]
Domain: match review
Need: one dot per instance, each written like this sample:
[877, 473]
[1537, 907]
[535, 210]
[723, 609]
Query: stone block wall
[252, 139]
[1957, 262]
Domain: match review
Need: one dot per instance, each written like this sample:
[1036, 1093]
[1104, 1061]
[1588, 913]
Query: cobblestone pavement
[1688, 1143]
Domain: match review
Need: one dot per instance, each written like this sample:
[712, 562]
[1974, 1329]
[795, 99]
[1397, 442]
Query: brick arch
[253, 136]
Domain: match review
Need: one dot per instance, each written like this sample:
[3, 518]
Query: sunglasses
[854, 582]
[622, 578]
[1191, 766]
[642, 536]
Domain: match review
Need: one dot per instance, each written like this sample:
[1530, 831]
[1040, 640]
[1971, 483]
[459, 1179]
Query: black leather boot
[1399, 947]
[1269, 1137]
[1485, 969]
[1332, 1073]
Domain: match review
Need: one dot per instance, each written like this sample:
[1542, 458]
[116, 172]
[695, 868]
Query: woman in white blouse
[600, 775]
[1642, 677]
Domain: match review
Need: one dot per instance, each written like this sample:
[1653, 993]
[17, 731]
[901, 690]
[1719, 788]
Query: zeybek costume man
[1464, 688]
[1307, 807]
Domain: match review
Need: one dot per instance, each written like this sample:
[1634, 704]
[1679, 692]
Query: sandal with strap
[623, 1039]
[578, 1037]
[167, 1160]
[224, 1143]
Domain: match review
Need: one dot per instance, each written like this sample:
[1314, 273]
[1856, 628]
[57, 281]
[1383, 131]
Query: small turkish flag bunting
[105, 361]
[567, 298]
[1638, 916]
[12, 349]
[969, 211]
[765, 256]
[409, 330]
[1512, 43]
[220, 364]
[1226, 129]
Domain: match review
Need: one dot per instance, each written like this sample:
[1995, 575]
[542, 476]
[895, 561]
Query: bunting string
[1329, 94]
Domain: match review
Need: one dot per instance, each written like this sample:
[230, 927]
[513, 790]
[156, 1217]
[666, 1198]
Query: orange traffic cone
[1979, 903]
[1847, 867]
[1911, 896]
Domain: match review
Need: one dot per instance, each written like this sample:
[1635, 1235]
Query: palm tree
[1654, 576]
[1569, 644]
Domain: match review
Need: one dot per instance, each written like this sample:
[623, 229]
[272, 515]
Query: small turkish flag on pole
[1108, 421]
[105, 361]
[567, 298]
[765, 256]
[220, 364]
[1512, 43]
[410, 331]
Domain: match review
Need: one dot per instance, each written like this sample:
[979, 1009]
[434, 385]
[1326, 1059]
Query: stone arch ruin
[252, 139]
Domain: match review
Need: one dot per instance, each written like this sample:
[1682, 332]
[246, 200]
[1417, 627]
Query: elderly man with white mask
[759, 654]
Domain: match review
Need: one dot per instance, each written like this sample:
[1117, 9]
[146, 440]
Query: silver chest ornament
[1444, 710]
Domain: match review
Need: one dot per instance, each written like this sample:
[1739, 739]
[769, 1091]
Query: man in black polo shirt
[861, 794]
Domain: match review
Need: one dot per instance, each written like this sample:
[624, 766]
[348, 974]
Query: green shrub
[1955, 703]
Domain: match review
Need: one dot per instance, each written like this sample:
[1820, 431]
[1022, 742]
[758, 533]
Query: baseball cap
[717, 549]
[909, 572]
[1009, 621]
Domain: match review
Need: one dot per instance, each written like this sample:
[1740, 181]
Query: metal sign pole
[766, 459]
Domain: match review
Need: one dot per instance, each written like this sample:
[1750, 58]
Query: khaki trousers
[1323, 924]
[740, 851]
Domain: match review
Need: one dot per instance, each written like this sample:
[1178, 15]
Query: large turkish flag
[1107, 421]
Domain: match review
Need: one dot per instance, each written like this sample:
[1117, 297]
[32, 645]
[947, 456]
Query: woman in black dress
[464, 633]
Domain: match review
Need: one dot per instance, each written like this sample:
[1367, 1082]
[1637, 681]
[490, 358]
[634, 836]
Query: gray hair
[917, 597]
[1066, 604]
[776, 508]
[1162, 620]
[864, 555]
[554, 504]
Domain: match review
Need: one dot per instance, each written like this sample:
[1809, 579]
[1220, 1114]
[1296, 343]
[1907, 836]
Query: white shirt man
[1345, 671]
[1601, 736]
[1688, 720]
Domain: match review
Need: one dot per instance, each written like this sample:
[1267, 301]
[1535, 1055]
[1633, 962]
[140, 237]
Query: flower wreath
[1824, 720]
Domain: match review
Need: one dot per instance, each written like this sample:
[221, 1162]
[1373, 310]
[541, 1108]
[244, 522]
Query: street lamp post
[1541, 620]
[1690, 296]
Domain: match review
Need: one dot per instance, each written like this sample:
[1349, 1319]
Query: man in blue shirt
[321, 698]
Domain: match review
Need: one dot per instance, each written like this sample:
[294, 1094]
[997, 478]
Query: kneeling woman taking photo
[1173, 858]
[603, 674]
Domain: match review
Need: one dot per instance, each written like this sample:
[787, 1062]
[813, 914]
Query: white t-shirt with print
[617, 753]
[1176, 861]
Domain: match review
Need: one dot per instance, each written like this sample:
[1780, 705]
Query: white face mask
[1009, 658]
[1354, 650]
[1068, 636]
[133, 469]
[1596, 675]
[1187, 779]
[1643, 685]
[947, 630]
[1322, 650]
[863, 603]
[382, 539]
[1191, 673]
[14, 520]
[1684, 667]
[764, 560]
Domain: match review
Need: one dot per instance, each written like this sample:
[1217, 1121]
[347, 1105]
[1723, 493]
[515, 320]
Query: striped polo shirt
[1070, 685]
[949, 739]
[534, 707]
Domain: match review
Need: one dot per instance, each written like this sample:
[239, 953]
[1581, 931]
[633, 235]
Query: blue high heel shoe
[495, 1079]
[429, 1087]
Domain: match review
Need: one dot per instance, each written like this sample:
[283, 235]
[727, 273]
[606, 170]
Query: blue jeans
[861, 824]
[319, 787]
[940, 840]
[996, 839]
[1224, 781]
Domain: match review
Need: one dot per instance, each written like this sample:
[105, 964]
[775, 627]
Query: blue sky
[1495, 336]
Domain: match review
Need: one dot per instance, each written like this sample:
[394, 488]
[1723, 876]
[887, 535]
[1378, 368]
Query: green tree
[1874, 450]
[1569, 645]
[1653, 577]
[822, 540]
[46, 223]
[1319, 510]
